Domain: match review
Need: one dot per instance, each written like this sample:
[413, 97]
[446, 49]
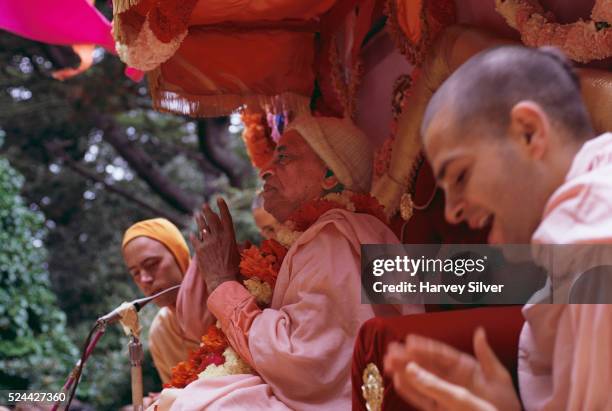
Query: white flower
[260, 290]
[286, 236]
[343, 198]
[233, 365]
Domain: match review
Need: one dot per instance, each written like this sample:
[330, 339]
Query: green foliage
[84, 220]
[35, 351]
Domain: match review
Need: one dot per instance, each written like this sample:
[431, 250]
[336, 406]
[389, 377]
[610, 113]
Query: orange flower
[214, 340]
[367, 204]
[210, 352]
[256, 136]
[273, 247]
[184, 372]
[263, 262]
[310, 212]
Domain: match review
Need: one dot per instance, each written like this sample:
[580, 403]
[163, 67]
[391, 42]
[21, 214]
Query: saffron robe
[167, 343]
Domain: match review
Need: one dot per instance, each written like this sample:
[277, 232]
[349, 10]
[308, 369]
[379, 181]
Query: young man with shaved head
[511, 143]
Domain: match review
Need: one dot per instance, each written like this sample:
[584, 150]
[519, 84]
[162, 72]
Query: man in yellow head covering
[157, 257]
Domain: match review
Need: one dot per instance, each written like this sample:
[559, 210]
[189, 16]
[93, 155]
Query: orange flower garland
[310, 212]
[212, 345]
[368, 204]
[214, 340]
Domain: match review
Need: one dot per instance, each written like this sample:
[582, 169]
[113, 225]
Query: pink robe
[302, 345]
[191, 312]
[565, 351]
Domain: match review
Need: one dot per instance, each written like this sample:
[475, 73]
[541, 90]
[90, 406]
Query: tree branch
[144, 166]
[203, 164]
[210, 140]
[92, 176]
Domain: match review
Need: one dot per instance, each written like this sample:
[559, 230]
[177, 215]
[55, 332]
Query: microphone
[115, 315]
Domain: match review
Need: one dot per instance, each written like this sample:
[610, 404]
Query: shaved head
[482, 92]
[501, 134]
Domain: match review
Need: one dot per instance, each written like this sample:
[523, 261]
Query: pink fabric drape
[64, 22]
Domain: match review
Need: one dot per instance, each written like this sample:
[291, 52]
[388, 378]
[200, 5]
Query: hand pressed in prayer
[215, 246]
[434, 376]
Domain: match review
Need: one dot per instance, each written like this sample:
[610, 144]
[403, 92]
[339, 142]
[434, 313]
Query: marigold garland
[212, 345]
[310, 212]
[256, 263]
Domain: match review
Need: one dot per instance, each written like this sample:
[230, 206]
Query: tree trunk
[211, 135]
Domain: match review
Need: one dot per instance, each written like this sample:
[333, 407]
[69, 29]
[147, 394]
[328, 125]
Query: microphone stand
[135, 351]
[136, 356]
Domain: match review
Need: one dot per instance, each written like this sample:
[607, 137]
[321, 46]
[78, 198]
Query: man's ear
[530, 127]
[330, 183]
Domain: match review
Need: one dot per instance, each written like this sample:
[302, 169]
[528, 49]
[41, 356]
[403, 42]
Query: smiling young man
[511, 144]
[157, 257]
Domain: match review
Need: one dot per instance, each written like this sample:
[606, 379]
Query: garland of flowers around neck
[260, 266]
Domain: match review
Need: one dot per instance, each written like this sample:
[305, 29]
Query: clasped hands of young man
[432, 375]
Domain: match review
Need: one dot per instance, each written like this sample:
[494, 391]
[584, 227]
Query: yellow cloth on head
[343, 147]
[162, 230]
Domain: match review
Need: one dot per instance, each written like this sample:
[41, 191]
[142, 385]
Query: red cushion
[503, 326]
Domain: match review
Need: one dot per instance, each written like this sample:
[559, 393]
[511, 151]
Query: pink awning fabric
[64, 22]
